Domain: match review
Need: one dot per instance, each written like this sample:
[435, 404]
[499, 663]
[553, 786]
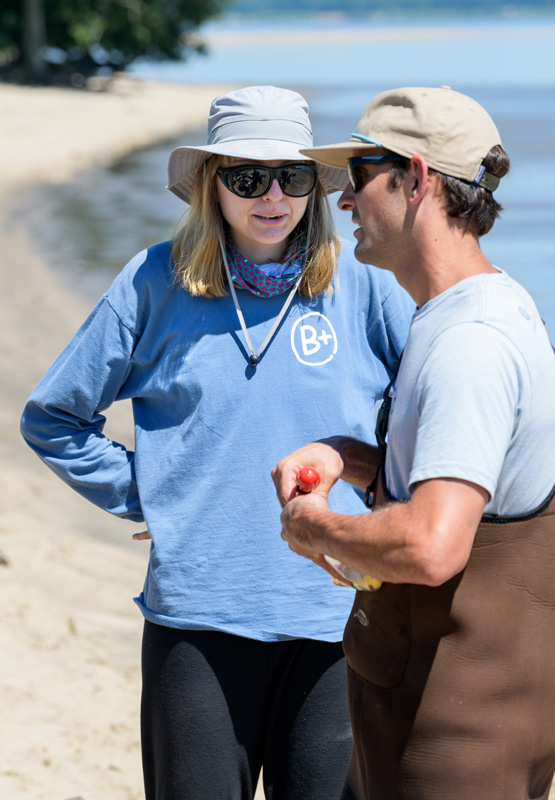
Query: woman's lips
[270, 218]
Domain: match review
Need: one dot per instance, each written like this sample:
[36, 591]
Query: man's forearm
[374, 544]
[360, 460]
[426, 540]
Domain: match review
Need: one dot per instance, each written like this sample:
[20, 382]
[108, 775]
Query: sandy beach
[69, 631]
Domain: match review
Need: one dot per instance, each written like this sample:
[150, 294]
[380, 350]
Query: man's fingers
[141, 535]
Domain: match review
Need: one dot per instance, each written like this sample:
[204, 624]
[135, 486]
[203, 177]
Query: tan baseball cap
[449, 129]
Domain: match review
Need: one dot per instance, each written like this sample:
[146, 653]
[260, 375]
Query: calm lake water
[508, 65]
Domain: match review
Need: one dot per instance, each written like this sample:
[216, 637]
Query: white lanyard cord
[255, 355]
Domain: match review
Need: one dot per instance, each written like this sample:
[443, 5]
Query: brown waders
[452, 689]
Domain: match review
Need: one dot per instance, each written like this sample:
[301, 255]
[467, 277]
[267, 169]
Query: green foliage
[111, 32]
[131, 27]
[10, 29]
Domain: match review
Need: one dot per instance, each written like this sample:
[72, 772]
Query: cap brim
[336, 155]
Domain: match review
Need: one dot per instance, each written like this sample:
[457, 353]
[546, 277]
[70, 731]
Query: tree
[34, 39]
[40, 36]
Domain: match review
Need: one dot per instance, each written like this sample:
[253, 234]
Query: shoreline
[425, 32]
[70, 687]
[49, 133]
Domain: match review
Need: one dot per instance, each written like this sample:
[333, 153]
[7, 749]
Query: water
[507, 65]
[497, 52]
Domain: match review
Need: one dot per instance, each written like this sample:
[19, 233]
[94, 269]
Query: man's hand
[322, 456]
[295, 530]
[294, 519]
[140, 536]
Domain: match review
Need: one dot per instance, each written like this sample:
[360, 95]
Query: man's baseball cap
[449, 129]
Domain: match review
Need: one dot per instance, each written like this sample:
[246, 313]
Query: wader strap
[382, 420]
[382, 423]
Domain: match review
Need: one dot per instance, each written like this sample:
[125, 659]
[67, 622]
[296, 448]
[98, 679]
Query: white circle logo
[314, 342]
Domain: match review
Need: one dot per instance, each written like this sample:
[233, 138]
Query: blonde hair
[196, 250]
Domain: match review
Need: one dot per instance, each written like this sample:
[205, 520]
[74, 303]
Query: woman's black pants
[216, 708]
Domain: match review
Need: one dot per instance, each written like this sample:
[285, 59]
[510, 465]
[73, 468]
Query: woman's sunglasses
[355, 167]
[254, 180]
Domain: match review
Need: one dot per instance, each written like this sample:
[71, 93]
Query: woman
[234, 343]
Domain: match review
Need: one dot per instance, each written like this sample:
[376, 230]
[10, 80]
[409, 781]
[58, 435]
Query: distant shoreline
[381, 33]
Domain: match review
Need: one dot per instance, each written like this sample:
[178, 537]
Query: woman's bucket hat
[262, 123]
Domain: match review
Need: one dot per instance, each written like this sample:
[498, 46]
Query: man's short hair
[465, 199]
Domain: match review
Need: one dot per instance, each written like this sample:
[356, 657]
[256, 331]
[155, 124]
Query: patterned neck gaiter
[265, 280]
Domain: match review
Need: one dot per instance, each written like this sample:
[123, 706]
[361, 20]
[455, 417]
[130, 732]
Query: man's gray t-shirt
[475, 396]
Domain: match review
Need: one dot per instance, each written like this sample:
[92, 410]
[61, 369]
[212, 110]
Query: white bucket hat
[262, 123]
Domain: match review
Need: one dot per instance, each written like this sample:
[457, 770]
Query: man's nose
[347, 199]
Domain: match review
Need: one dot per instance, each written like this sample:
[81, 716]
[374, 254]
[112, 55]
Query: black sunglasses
[254, 180]
[357, 175]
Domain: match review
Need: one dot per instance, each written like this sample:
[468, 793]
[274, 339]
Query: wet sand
[69, 631]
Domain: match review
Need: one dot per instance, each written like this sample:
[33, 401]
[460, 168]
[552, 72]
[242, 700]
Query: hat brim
[336, 155]
[185, 161]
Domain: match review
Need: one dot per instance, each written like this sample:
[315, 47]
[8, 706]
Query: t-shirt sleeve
[469, 395]
[62, 422]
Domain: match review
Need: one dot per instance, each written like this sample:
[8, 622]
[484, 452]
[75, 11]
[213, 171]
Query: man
[451, 685]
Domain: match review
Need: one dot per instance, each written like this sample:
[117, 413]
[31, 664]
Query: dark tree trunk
[34, 39]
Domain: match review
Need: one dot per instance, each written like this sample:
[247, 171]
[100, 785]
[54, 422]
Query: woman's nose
[275, 190]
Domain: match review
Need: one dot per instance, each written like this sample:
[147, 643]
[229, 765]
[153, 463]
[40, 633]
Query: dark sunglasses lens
[351, 174]
[356, 176]
[256, 181]
[249, 181]
[298, 181]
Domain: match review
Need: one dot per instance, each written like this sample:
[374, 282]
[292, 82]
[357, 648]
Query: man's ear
[417, 179]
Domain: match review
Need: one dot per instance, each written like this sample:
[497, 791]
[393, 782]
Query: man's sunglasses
[254, 180]
[356, 164]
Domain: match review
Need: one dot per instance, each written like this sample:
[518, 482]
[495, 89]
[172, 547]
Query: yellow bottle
[362, 582]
